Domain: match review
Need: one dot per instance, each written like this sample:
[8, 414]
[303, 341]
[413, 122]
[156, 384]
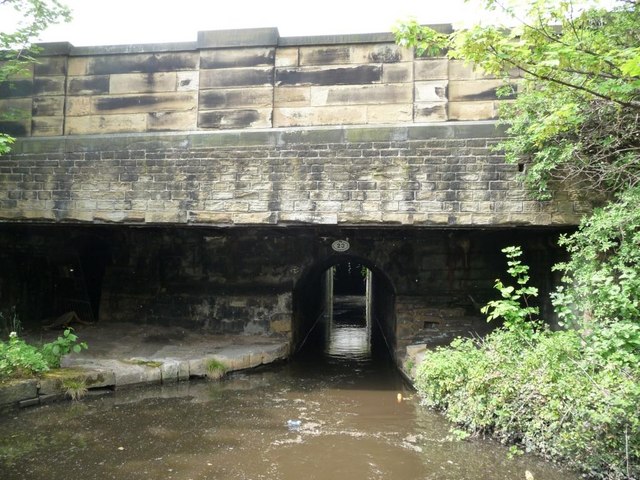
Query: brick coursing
[431, 181]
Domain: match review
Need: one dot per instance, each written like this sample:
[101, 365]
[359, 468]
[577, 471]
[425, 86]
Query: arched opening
[344, 307]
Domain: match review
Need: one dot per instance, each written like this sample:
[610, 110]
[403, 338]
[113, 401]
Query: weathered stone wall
[438, 174]
[428, 284]
[242, 79]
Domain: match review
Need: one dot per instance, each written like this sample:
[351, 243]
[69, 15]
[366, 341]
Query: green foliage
[63, 345]
[514, 307]
[5, 143]
[575, 117]
[602, 276]
[426, 41]
[215, 366]
[75, 388]
[19, 359]
[567, 395]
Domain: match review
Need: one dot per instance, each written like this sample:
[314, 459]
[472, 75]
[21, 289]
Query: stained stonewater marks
[17, 51]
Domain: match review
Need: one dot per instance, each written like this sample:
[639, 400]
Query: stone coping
[237, 38]
[183, 141]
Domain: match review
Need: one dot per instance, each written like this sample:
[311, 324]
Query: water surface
[338, 416]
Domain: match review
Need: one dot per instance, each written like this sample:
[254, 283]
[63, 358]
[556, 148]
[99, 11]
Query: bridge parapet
[443, 174]
[249, 128]
[242, 79]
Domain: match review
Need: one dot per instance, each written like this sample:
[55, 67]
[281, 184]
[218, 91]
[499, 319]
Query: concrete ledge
[183, 141]
[155, 369]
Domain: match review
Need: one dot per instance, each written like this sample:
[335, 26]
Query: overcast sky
[109, 22]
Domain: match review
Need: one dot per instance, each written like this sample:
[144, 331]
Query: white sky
[110, 22]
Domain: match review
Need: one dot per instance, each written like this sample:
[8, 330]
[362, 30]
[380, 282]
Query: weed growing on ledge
[75, 388]
[215, 368]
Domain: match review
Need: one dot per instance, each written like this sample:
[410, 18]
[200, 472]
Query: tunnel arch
[309, 296]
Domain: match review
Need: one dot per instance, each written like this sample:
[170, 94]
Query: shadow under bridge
[344, 306]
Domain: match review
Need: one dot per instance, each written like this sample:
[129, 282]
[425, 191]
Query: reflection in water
[313, 418]
[348, 329]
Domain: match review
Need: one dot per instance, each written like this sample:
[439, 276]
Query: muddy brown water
[337, 416]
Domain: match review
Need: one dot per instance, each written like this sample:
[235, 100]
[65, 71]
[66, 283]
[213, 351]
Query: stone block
[472, 110]
[88, 85]
[280, 324]
[78, 106]
[431, 69]
[210, 217]
[160, 102]
[134, 63]
[354, 54]
[17, 391]
[165, 216]
[237, 118]
[254, 218]
[244, 38]
[292, 96]
[170, 371]
[47, 126]
[54, 85]
[397, 73]
[198, 367]
[333, 115]
[381, 114]
[287, 57]
[188, 81]
[47, 106]
[432, 91]
[128, 374]
[475, 90]
[183, 371]
[143, 83]
[235, 98]
[172, 121]
[339, 75]
[21, 106]
[99, 378]
[237, 57]
[430, 112]
[16, 88]
[361, 95]
[50, 386]
[51, 66]
[309, 217]
[86, 125]
[77, 66]
[359, 218]
[461, 70]
[236, 77]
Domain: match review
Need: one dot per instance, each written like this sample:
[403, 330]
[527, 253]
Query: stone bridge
[206, 183]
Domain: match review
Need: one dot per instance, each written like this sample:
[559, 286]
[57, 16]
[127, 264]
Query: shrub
[567, 395]
[63, 345]
[18, 358]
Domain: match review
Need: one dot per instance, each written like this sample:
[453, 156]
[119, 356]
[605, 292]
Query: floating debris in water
[294, 424]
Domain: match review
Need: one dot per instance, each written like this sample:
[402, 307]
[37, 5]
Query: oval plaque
[340, 246]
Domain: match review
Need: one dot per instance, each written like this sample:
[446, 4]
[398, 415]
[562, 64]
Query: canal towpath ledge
[128, 354]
